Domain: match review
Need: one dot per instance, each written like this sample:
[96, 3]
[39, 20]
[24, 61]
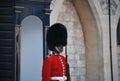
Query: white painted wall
[31, 49]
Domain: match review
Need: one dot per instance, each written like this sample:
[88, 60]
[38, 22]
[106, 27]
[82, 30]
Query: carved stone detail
[104, 6]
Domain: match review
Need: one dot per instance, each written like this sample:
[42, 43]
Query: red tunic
[52, 67]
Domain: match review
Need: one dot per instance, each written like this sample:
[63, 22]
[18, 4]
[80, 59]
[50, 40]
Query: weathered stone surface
[104, 6]
[76, 48]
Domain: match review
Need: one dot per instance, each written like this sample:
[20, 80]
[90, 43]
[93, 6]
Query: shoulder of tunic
[63, 56]
[49, 58]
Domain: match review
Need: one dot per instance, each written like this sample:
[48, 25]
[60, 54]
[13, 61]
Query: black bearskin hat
[56, 36]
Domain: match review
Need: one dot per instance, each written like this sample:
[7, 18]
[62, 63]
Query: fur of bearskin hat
[56, 36]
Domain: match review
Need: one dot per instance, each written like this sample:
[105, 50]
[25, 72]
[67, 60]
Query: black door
[7, 38]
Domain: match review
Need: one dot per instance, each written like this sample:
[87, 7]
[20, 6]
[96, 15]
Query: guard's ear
[56, 36]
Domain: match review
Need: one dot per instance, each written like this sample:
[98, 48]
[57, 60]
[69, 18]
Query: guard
[54, 67]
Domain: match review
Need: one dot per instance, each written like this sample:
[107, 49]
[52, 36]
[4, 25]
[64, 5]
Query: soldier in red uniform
[54, 67]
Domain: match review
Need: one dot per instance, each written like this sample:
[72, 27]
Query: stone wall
[119, 65]
[96, 27]
[104, 6]
[118, 51]
[76, 48]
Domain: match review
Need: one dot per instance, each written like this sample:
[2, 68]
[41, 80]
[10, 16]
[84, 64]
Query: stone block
[82, 57]
[82, 78]
[73, 63]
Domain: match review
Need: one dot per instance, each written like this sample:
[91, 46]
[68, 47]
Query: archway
[31, 49]
[92, 36]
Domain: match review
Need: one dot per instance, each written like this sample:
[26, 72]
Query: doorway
[31, 49]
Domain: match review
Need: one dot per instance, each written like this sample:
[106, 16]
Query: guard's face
[59, 49]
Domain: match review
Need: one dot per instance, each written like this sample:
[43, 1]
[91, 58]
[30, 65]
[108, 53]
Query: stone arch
[92, 37]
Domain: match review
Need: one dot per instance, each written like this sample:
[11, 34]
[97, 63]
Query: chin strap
[59, 49]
